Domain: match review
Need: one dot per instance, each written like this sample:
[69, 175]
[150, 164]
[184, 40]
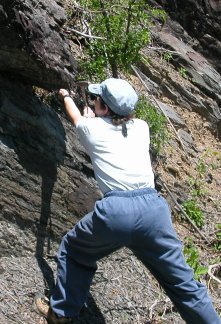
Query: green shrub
[167, 56]
[192, 258]
[124, 26]
[183, 73]
[194, 212]
[197, 186]
[157, 123]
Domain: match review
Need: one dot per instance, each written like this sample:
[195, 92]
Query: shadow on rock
[91, 314]
[37, 136]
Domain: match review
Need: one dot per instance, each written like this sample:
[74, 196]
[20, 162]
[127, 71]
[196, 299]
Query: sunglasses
[93, 97]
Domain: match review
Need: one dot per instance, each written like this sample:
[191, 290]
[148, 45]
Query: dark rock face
[199, 91]
[188, 25]
[33, 47]
[201, 19]
[35, 147]
[45, 176]
[43, 168]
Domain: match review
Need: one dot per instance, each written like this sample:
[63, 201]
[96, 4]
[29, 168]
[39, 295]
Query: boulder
[33, 47]
[201, 19]
[46, 180]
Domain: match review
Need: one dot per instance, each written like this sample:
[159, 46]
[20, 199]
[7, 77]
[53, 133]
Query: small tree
[157, 122]
[124, 27]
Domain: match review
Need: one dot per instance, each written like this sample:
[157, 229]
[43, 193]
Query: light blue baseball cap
[117, 94]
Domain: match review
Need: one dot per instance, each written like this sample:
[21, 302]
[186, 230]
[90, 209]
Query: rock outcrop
[188, 27]
[201, 21]
[43, 168]
[33, 47]
[46, 178]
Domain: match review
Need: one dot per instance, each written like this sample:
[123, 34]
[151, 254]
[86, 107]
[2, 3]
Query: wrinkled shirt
[120, 163]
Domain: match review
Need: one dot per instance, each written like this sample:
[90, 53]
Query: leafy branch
[121, 29]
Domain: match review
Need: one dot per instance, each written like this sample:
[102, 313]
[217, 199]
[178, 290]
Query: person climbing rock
[131, 213]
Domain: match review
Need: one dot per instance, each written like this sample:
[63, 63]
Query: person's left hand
[62, 93]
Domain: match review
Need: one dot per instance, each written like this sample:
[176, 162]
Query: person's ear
[106, 110]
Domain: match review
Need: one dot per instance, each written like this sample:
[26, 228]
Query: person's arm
[71, 109]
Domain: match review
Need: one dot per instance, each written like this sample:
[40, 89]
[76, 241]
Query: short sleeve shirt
[120, 163]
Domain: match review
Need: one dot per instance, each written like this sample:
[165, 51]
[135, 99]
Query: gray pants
[140, 220]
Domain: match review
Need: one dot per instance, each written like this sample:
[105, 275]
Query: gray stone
[171, 114]
[186, 137]
[42, 180]
[33, 47]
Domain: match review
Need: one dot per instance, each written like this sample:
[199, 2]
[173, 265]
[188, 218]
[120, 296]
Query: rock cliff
[46, 178]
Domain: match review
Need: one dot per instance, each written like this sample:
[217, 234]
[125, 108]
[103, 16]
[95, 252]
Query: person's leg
[98, 234]
[91, 239]
[156, 245]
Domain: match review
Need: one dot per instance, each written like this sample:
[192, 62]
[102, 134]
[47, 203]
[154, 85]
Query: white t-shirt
[120, 163]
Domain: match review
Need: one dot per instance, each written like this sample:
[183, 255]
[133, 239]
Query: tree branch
[128, 24]
[161, 49]
[183, 212]
[211, 267]
[83, 34]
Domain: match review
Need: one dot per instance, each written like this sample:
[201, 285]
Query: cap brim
[95, 88]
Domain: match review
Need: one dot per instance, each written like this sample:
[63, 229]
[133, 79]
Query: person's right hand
[88, 112]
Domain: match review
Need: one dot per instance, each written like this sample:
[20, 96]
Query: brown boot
[43, 307]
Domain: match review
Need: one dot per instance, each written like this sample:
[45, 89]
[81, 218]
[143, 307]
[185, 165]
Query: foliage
[192, 258]
[201, 167]
[183, 72]
[197, 186]
[124, 27]
[156, 121]
[194, 212]
[213, 160]
[198, 182]
[167, 56]
[209, 161]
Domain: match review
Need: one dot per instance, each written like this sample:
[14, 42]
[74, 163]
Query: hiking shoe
[43, 307]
